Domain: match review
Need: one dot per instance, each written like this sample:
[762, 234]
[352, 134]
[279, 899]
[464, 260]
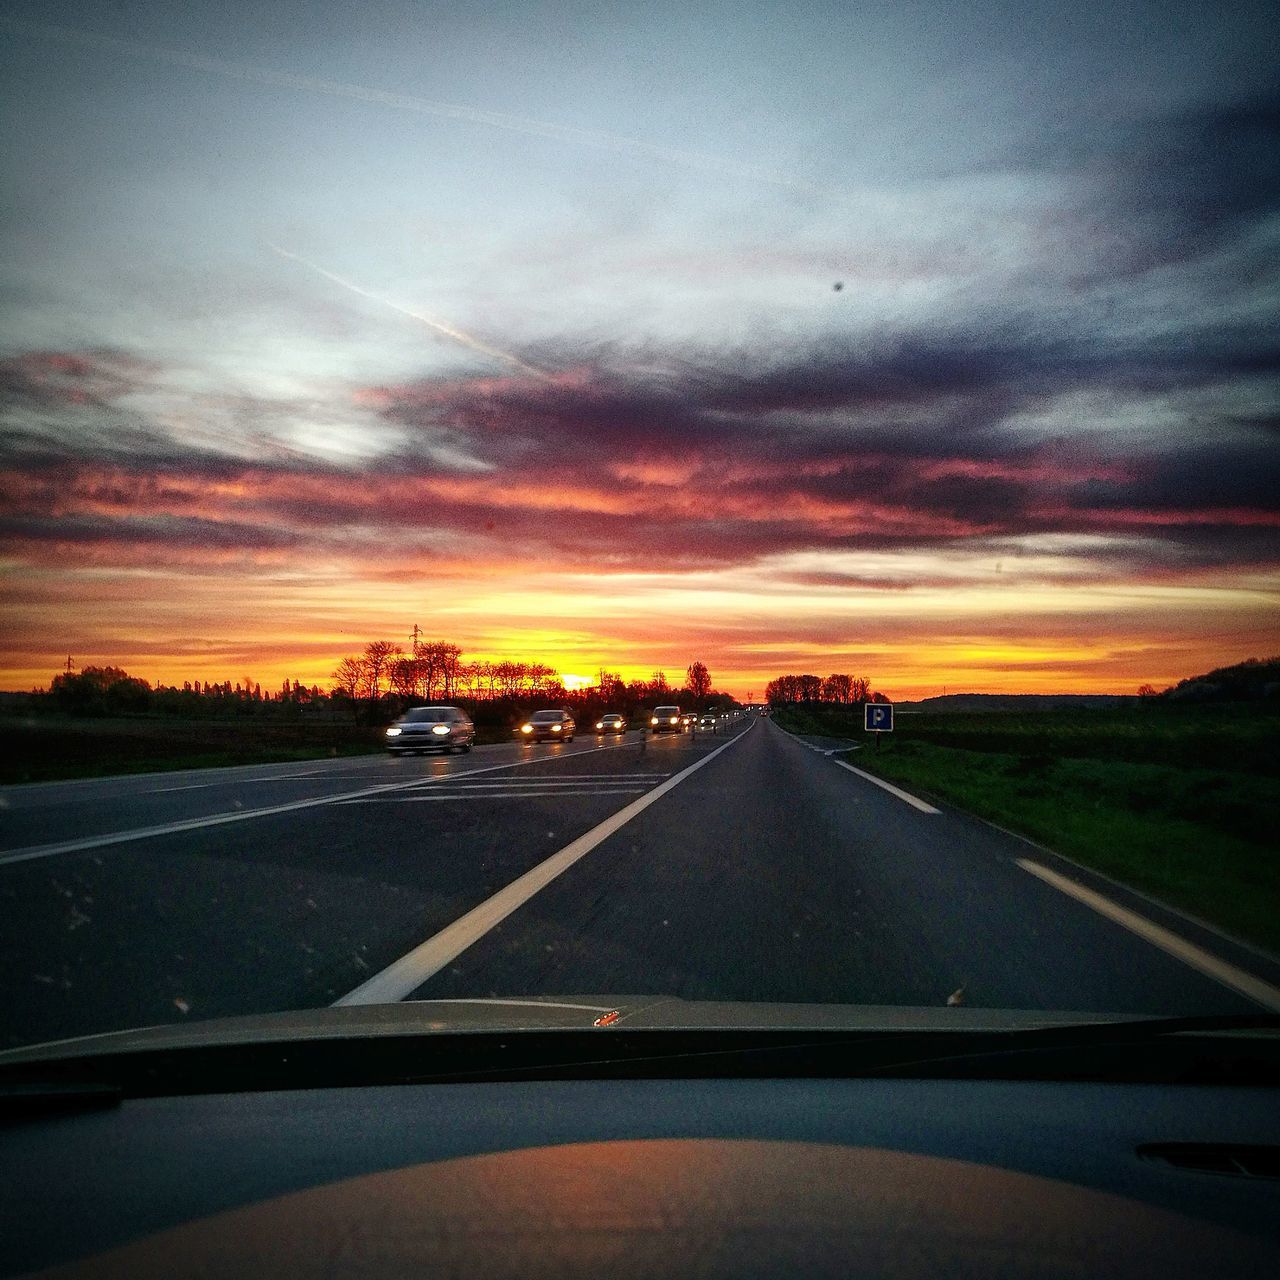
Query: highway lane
[281, 907]
[36, 814]
[769, 872]
[774, 874]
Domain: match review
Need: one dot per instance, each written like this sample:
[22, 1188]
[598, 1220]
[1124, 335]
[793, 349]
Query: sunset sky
[520, 323]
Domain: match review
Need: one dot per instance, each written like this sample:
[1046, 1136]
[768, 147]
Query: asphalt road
[744, 866]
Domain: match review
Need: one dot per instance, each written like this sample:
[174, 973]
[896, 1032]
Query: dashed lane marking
[913, 801]
[1197, 958]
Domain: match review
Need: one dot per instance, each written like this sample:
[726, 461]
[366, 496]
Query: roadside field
[44, 748]
[1181, 804]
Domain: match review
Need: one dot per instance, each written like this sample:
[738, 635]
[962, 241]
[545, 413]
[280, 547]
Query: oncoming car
[688, 719]
[709, 720]
[431, 729]
[547, 726]
[666, 720]
[611, 723]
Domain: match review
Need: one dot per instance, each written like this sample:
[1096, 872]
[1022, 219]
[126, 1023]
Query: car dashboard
[657, 1177]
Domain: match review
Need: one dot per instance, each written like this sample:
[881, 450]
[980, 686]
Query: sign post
[877, 718]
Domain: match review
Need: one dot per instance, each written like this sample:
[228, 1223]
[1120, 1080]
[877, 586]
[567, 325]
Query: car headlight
[393, 732]
[555, 728]
[526, 728]
[599, 724]
[654, 720]
[440, 728]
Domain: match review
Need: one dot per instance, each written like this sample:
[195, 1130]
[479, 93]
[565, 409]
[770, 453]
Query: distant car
[666, 720]
[431, 729]
[547, 726]
[611, 723]
[688, 719]
[708, 720]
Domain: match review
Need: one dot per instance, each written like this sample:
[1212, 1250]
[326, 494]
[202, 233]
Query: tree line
[435, 670]
[373, 686]
[834, 688]
[111, 690]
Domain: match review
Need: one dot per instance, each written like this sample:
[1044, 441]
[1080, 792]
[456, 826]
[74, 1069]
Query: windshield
[892, 385]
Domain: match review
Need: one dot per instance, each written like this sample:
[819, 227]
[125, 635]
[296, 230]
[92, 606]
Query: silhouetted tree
[698, 679]
[348, 679]
[378, 656]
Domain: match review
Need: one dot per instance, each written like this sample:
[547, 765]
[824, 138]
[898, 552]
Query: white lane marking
[890, 788]
[84, 843]
[532, 1003]
[362, 763]
[1237, 979]
[571, 778]
[497, 795]
[603, 780]
[408, 973]
[235, 782]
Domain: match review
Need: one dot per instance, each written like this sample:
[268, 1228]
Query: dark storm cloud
[909, 441]
[163, 531]
[935, 390]
[1176, 188]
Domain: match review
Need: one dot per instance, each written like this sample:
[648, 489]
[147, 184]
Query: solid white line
[1237, 979]
[230, 782]
[84, 843]
[408, 973]
[481, 787]
[473, 794]
[890, 788]
[531, 1003]
[571, 779]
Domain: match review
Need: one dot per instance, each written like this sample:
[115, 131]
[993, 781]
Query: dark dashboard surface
[646, 1177]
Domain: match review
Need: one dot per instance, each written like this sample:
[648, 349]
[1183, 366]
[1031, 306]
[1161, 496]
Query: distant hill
[1253, 680]
[1248, 681]
[1016, 702]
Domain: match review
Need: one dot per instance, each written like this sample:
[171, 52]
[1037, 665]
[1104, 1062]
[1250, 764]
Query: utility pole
[415, 640]
[68, 664]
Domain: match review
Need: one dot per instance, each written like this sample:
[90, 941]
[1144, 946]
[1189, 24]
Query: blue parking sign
[878, 718]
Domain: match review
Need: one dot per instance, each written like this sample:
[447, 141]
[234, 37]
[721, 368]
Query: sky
[929, 342]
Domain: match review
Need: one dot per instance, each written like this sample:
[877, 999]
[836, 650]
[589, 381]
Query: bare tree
[378, 656]
[404, 677]
[450, 668]
[837, 688]
[698, 679]
[348, 679]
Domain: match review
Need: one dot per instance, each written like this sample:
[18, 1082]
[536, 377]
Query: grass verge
[44, 749]
[1195, 840]
[1199, 838]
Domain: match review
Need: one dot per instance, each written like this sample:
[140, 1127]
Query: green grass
[1182, 805]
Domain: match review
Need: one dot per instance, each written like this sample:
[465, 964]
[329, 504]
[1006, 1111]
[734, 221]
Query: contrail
[431, 321]
[423, 106]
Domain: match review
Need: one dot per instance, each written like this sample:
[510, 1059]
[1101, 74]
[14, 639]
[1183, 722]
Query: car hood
[418, 1017]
